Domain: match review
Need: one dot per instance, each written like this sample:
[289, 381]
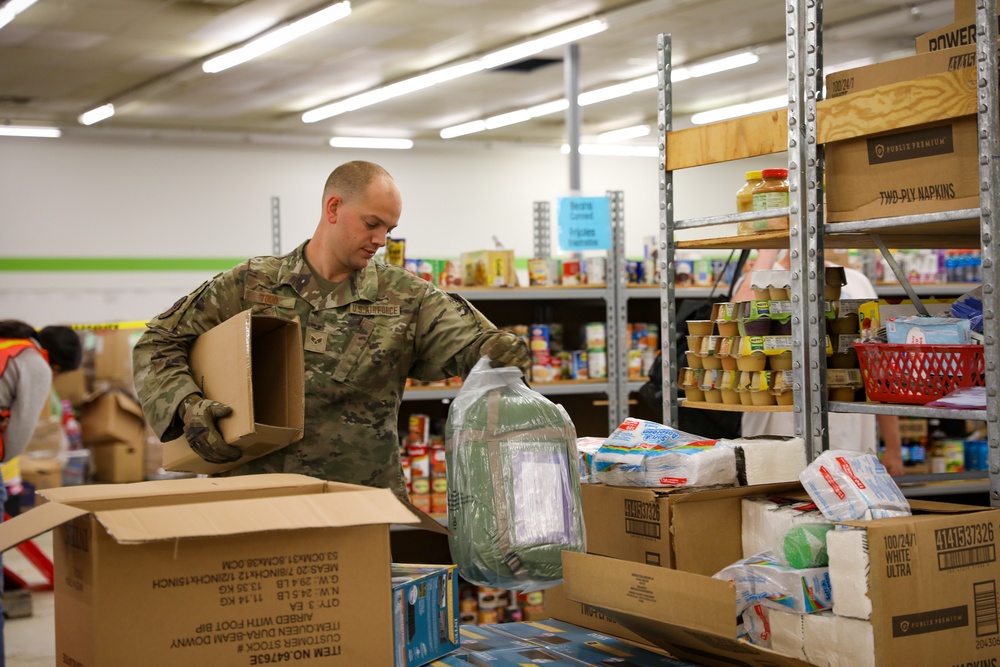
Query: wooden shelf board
[955, 234]
[724, 407]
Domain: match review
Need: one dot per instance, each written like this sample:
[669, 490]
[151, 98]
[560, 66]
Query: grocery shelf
[531, 293]
[725, 407]
[905, 410]
[934, 289]
[653, 292]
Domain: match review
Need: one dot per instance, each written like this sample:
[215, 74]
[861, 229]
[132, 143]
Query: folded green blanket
[513, 483]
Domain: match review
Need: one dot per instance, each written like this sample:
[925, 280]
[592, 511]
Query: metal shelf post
[668, 245]
[542, 226]
[616, 303]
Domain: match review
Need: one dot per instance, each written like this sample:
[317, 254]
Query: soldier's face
[363, 223]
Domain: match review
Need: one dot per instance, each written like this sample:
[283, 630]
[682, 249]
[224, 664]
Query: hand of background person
[507, 349]
[893, 462]
[200, 416]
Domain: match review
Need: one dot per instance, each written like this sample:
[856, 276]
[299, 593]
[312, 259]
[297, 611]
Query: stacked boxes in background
[114, 430]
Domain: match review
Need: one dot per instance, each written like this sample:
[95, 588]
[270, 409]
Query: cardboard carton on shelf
[960, 33]
[919, 169]
[488, 268]
[253, 364]
[253, 569]
[928, 573]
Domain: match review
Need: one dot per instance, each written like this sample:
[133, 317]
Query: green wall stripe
[53, 264]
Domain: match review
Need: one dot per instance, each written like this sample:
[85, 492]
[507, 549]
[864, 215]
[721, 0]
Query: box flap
[220, 362]
[689, 615]
[696, 495]
[926, 508]
[188, 489]
[427, 522]
[235, 517]
[36, 521]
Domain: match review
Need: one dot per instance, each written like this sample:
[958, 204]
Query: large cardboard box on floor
[932, 585]
[248, 570]
[920, 169]
[253, 364]
[667, 527]
[114, 430]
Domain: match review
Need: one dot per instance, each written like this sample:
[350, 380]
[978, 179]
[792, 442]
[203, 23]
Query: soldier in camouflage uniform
[366, 326]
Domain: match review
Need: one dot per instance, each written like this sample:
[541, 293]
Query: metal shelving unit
[616, 386]
[808, 124]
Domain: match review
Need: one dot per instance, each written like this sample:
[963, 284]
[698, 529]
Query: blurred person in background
[856, 432]
[29, 360]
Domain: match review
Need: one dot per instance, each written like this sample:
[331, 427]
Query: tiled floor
[31, 641]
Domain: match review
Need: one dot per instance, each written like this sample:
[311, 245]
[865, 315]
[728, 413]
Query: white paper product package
[819, 639]
[849, 572]
[645, 453]
[786, 632]
[767, 520]
[768, 459]
[848, 486]
[761, 579]
[513, 482]
[587, 447]
[755, 625]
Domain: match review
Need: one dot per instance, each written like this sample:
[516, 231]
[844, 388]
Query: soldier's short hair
[352, 179]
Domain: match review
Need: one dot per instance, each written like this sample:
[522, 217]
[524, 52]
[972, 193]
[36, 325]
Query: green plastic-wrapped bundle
[513, 483]
[804, 545]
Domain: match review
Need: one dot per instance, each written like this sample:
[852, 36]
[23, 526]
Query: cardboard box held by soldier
[255, 366]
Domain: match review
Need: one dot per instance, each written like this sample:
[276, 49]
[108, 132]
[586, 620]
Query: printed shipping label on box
[252, 570]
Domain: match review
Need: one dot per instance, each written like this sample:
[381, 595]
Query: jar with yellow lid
[771, 192]
[744, 196]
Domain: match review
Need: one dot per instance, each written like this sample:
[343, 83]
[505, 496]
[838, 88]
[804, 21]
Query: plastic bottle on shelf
[71, 427]
[744, 196]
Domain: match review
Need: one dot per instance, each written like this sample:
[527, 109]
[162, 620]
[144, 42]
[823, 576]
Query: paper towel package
[765, 521]
[786, 633]
[768, 460]
[932, 577]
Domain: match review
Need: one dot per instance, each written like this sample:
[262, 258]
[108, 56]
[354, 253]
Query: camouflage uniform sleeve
[160, 358]
[450, 334]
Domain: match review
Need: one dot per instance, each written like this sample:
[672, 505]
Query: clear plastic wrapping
[761, 579]
[513, 482]
[645, 453]
[848, 486]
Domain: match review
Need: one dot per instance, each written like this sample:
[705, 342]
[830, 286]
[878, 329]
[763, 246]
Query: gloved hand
[199, 415]
[507, 349]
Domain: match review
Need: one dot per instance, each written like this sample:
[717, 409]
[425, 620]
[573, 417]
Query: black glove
[199, 415]
[507, 349]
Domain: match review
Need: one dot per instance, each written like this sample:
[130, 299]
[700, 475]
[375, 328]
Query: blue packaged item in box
[549, 632]
[424, 613]
[611, 652]
[520, 657]
[916, 330]
[478, 638]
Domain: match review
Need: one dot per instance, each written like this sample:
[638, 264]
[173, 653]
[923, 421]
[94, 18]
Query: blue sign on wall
[584, 224]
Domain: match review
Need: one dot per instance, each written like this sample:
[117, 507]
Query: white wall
[78, 198]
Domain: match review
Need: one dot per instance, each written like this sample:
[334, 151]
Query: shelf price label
[584, 224]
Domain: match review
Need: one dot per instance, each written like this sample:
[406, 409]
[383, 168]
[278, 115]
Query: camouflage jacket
[361, 341]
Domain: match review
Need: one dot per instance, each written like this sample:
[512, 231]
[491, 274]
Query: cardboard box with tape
[248, 570]
[914, 590]
[253, 364]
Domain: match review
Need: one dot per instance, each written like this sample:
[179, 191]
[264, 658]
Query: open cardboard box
[247, 570]
[253, 364]
[934, 614]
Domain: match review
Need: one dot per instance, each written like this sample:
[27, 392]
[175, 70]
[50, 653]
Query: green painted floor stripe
[54, 264]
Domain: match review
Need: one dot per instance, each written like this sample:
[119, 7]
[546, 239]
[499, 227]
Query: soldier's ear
[332, 208]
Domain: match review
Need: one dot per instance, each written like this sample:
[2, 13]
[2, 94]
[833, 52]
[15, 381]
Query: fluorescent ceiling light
[370, 142]
[12, 9]
[531, 47]
[97, 115]
[623, 134]
[723, 64]
[278, 37]
[622, 151]
[428, 79]
[27, 131]
[738, 110]
[463, 129]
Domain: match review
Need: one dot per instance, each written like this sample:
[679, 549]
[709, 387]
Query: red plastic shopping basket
[918, 373]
